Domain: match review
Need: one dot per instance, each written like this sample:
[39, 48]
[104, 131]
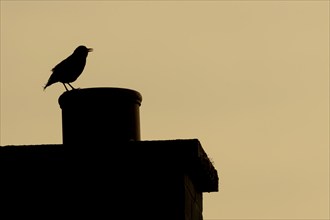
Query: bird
[68, 70]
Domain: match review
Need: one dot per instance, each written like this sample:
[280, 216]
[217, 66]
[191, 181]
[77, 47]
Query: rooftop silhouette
[104, 168]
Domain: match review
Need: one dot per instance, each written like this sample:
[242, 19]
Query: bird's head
[82, 50]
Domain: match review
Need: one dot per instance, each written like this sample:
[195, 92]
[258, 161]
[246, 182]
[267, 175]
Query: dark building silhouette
[103, 169]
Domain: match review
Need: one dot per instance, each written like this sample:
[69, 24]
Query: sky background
[249, 79]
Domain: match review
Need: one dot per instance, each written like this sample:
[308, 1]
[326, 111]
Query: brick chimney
[103, 169]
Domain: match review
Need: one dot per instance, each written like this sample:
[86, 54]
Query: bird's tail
[49, 82]
[45, 86]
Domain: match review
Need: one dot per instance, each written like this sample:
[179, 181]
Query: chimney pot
[100, 115]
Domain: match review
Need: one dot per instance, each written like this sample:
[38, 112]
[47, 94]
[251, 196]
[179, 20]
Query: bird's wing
[63, 64]
[58, 71]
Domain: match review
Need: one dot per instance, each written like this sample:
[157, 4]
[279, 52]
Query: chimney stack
[152, 179]
[100, 116]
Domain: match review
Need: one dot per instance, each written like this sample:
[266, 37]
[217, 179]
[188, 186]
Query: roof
[186, 155]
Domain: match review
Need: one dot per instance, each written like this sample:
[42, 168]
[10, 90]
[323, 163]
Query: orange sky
[249, 79]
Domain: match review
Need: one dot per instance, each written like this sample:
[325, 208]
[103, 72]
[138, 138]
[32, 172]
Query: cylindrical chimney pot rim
[110, 93]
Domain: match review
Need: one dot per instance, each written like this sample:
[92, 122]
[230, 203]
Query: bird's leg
[65, 87]
[71, 86]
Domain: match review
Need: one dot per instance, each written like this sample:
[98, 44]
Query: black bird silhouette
[69, 69]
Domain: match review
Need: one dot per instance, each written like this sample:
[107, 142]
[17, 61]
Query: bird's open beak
[90, 49]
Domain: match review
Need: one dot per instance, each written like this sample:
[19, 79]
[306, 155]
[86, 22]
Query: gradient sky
[249, 79]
